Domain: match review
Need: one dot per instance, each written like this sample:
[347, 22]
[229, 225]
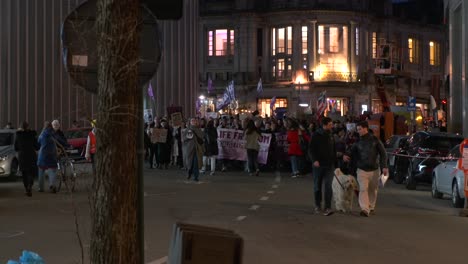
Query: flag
[150, 91]
[210, 87]
[433, 103]
[259, 86]
[321, 103]
[228, 96]
[272, 102]
[198, 105]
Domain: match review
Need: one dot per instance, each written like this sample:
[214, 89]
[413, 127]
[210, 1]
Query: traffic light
[165, 9]
[444, 101]
[311, 76]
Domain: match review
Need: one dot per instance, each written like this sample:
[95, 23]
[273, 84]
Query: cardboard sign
[176, 119]
[158, 135]
[213, 115]
[148, 115]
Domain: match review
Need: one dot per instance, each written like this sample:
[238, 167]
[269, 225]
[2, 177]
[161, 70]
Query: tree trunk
[115, 227]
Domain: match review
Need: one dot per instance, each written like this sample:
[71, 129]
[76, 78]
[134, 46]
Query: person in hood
[192, 139]
[26, 145]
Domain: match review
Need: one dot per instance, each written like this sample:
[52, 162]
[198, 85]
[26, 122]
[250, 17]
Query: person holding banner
[252, 135]
[192, 139]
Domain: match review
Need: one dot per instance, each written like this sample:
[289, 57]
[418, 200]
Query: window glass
[281, 40]
[304, 40]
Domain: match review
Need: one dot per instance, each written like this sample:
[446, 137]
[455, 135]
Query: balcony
[331, 76]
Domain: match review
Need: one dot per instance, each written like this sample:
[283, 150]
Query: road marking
[274, 186]
[240, 218]
[11, 235]
[159, 261]
[271, 192]
[254, 207]
[264, 198]
[157, 194]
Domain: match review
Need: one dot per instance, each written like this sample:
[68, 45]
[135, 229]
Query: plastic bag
[28, 257]
[383, 179]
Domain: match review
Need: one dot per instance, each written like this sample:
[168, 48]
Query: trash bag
[28, 257]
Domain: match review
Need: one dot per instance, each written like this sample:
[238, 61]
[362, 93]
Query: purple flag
[210, 87]
[150, 91]
[272, 102]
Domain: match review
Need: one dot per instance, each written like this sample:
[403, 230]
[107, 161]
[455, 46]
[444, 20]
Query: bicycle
[66, 173]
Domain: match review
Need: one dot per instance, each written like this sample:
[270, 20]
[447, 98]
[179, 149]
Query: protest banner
[282, 145]
[176, 119]
[212, 115]
[231, 145]
[158, 135]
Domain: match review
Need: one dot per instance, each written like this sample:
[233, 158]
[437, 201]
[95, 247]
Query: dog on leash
[344, 188]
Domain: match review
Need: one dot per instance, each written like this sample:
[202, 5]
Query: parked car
[77, 138]
[447, 179]
[393, 145]
[422, 145]
[8, 159]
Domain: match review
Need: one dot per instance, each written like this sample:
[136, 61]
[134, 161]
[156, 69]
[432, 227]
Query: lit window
[210, 43]
[321, 40]
[281, 40]
[434, 53]
[221, 42]
[334, 43]
[281, 68]
[413, 50]
[304, 40]
[374, 45]
[289, 38]
[357, 41]
[274, 41]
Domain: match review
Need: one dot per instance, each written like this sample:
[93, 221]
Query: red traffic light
[444, 101]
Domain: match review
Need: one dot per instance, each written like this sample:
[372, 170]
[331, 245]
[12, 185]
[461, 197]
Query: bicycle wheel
[59, 179]
[69, 176]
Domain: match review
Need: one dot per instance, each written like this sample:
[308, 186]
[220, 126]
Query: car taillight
[426, 151]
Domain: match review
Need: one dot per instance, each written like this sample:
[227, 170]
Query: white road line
[240, 218]
[254, 207]
[278, 177]
[159, 261]
[271, 192]
[264, 198]
[274, 186]
[11, 235]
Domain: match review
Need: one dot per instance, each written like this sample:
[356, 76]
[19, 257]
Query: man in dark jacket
[322, 154]
[26, 145]
[365, 154]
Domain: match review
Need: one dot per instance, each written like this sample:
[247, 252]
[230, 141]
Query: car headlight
[2, 158]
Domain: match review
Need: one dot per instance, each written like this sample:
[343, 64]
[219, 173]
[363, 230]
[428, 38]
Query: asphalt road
[272, 212]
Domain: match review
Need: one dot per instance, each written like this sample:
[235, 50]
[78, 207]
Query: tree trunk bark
[115, 227]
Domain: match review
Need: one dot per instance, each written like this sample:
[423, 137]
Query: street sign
[411, 103]
[79, 46]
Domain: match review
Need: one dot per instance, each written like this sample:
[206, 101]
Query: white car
[8, 160]
[447, 179]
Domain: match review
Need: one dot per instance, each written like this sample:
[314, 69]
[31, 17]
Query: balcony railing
[336, 76]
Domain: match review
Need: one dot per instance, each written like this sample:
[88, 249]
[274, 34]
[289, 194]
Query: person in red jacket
[91, 147]
[296, 154]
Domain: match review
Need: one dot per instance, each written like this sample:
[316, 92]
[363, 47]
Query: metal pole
[140, 181]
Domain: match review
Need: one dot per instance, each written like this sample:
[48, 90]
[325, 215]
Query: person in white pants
[211, 147]
[365, 154]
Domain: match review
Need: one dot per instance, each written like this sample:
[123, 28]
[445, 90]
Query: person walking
[47, 159]
[192, 138]
[322, 154]
[252, 135]
[26, 145]
[164, 148]
[91, 148]
[369, 156]
[211, 147]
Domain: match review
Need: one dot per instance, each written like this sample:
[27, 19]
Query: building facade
[365, 58]
[457, 14]
[34, 85]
